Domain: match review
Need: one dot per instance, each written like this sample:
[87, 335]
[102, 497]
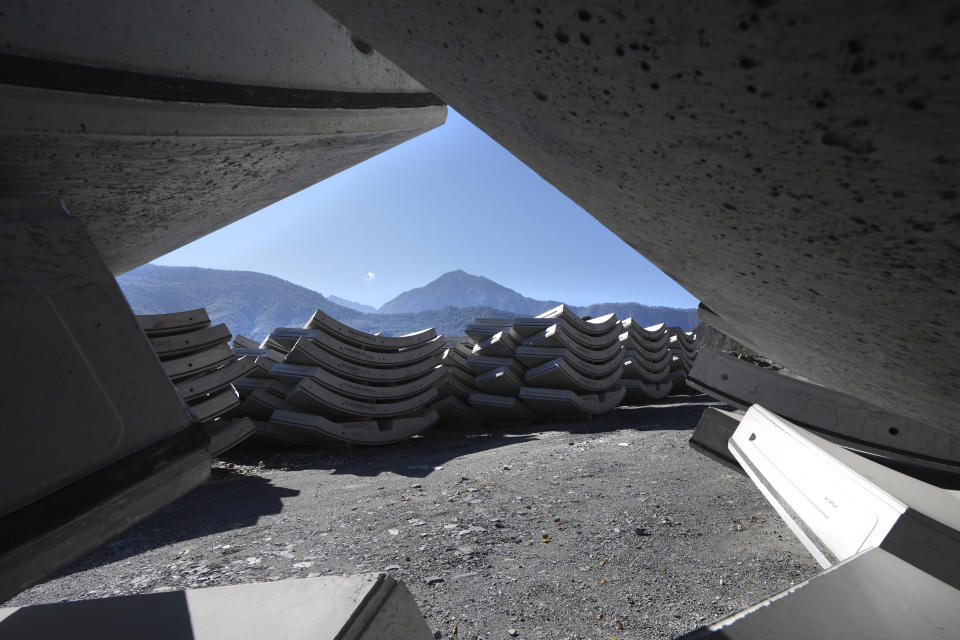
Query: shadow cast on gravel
[419, 456]
[225, 502]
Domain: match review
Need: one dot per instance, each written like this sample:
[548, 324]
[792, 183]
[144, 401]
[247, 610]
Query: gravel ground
[611, 528]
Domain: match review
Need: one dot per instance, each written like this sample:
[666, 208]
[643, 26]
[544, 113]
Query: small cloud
[370, 276]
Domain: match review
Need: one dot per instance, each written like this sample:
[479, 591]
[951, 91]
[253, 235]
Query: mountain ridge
[253, 303]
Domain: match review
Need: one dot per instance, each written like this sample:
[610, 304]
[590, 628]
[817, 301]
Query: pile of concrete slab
[328, 381]
[683, 352]
[198, 360]
[647, 362]
[517, 369]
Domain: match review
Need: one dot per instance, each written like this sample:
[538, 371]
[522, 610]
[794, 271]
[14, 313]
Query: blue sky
[449, 199]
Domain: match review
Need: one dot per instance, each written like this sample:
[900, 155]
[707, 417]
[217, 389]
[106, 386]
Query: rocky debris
[645, 534]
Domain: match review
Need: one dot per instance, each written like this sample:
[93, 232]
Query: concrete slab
[558, 374]
[457, 384]
[178, 345]
[501, 408]
[534, 356]
[193, 388]
[262, 366]
[197, 363]
[226, 433]
[652, 333]
[840, 504]
[163, 324]
[872, 595]
[484, 328]
[500, 345]
[358, 607]
[556, 337]
[261, 403]
[246, 386]
[639, 369]
[548, 337]
[594, 326]
[454, 411]
[453, 358]
[828, 412]
[566, 402]
[313, 353]
[640, 392]
[712, 436]
[208, 408]
[502, 381]
[294, 374]
[316, 398]
[348, 334]
[242, 342]
[285, 339]
[478, 364]
[464, 348]
[314, 429]
[256, 352]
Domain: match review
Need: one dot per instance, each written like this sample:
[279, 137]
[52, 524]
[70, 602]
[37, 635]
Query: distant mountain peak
[350, 304]
[461, 289]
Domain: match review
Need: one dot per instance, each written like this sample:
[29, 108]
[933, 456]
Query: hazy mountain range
[254, 303]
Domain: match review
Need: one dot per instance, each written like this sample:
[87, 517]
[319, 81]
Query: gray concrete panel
[550, 337]
[502, 381]
[293, 374]
[558, 374]
[243, 342]
[208, 408]
[246, 386]
[558, 338]
[310, 353]
[594, 326]
[828, 412]
[454, 411]
[645, 349]
[501, 408]
[534, 356]
[162, 324]
[566, 402]
[197, 363]
[640, 392]
[321, 320]
[484, 328]
[638, 368]
[286, 339]
[262, 366]
[181, 344]
[261, 404]
[806, 149]
[652, 333]
[315, 398]
[357, 607]
[478, 364]
[366, 432]
[500, 345]
[456, 386]
[214, 381]
[454, 358]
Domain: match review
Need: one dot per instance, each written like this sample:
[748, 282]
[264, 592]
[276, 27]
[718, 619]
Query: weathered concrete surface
[150, 162]
[808, 151]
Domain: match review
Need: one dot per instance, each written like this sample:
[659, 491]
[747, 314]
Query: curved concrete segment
[501, 408]
[532, 357]
[308, 352]
[503, 381]
[316, 398]
[293, 374]
[286, 339]
[163, 324]
[484, 328]
[593, 326]
[457, 384]
[478, 364]
[646, 349]
[214, 406]
[454, 411]
[198, 363]
[640, 369]
[454, 358]
[816, 189]
[640, 392]
[213, 381]
[556, 336]
[182, 344]
[261, 403]
[248, 385]
[243, 342]
[558, 374]
[500, 345]
[565, 402]
[321, 320]
[550, 337]
[652, 333]
[831, 414]
[306, 428]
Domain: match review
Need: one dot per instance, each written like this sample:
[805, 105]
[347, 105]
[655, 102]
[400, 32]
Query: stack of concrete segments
[453, 407]
[572, 365]
[683, 351]
[338, 383]
[646, 363]
[198, 360]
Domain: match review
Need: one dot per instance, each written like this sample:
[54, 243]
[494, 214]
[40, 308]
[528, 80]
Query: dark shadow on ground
[417, 457]
[225, 502]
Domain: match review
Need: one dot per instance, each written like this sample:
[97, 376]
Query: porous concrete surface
[610, 528]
